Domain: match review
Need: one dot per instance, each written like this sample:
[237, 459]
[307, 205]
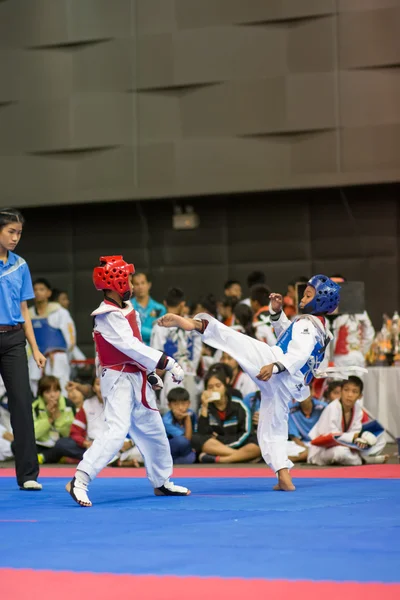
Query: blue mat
[330, 529]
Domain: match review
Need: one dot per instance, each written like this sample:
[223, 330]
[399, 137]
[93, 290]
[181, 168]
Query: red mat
[363, 472]
[18, 584]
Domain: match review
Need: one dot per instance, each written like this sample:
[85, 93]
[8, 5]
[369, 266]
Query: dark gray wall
[286, 234]
[121, 99]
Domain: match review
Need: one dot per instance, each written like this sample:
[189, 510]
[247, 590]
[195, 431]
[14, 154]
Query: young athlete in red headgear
[127, 376]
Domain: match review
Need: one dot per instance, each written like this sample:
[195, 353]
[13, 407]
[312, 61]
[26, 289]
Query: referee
[15, 328]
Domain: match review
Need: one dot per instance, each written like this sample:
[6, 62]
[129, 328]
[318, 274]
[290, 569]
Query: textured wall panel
[203, 13]
[366, 148]
[370, 97]
[55, 22]
[154, 98]
[369, 38]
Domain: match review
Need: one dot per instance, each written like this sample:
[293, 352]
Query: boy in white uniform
[55, 335]
[282, 371]
[338, 436]
[127, 380]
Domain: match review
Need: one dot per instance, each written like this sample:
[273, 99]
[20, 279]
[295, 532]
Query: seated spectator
[240, 380]
[76, 399]
[52, 416]
[259, 300]
[224, 431]
[302, 418]
[244, 320]
[225, 308]
[253, 401]
[6, 438]
[87, 425]
[333, 391]
[233, 288]
[180, 423]
[338, 436]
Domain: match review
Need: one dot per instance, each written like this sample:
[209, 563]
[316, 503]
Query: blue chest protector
[48, 338]
[317, 355]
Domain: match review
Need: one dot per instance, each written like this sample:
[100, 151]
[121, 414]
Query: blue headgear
[327, 296]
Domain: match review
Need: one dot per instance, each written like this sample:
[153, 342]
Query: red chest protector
[112, 358]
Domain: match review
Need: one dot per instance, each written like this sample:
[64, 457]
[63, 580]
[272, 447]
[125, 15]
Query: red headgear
[113, 274]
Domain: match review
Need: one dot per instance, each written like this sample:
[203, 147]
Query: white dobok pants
[342, 455]
[125, 413]
[252, 354]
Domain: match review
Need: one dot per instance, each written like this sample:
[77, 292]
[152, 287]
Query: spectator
[333, 391]
[224, 431]
[244, 319]
[253, 402]
[62, 297]
[180, 423]
[225, 308]
[254, 278]
[337, 437]
[185, 347]
[55, 335]
[88, 424]
[149, 310]
[239, 380]
[259, 300]
[206, 304]
[233, 288]
[302, 418]
[353, 336]
[52, 416]
[290, 300]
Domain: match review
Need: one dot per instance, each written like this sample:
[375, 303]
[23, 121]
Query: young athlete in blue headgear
[283, 371]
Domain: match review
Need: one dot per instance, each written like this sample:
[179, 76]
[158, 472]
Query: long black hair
[10, 215]
[222, 372]
[244, 316]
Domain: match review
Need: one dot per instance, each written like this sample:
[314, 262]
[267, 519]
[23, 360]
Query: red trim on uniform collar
[322, 319]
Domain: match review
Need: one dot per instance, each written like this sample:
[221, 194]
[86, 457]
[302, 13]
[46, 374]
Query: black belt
[6, 328]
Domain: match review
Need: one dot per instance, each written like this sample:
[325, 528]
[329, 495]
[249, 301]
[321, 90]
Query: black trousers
[14, 371]
[63, 447]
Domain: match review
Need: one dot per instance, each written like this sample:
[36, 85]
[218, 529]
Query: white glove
[367, 438]
[176, 371]
[155, 381]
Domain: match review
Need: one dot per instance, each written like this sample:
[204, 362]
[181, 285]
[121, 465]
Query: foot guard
[170, 489]
[78, 492]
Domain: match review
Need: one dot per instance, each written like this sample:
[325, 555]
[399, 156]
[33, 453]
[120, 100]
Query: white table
[382, 396]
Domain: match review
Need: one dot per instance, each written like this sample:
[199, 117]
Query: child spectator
[224, 431]
[259, 300]
[52, 417]
[240, 381]
[233, 288]
[302, 418]
[225, 308]
[338, 438]
[88, 424]
[333, 391]
[244, 320]
[180, 423]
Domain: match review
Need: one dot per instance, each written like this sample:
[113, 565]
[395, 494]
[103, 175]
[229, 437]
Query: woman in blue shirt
[15, 328]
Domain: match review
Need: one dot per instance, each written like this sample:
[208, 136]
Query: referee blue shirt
[15, 287]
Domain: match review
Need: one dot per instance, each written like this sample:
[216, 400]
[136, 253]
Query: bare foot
[285, 483]
[170, 320]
